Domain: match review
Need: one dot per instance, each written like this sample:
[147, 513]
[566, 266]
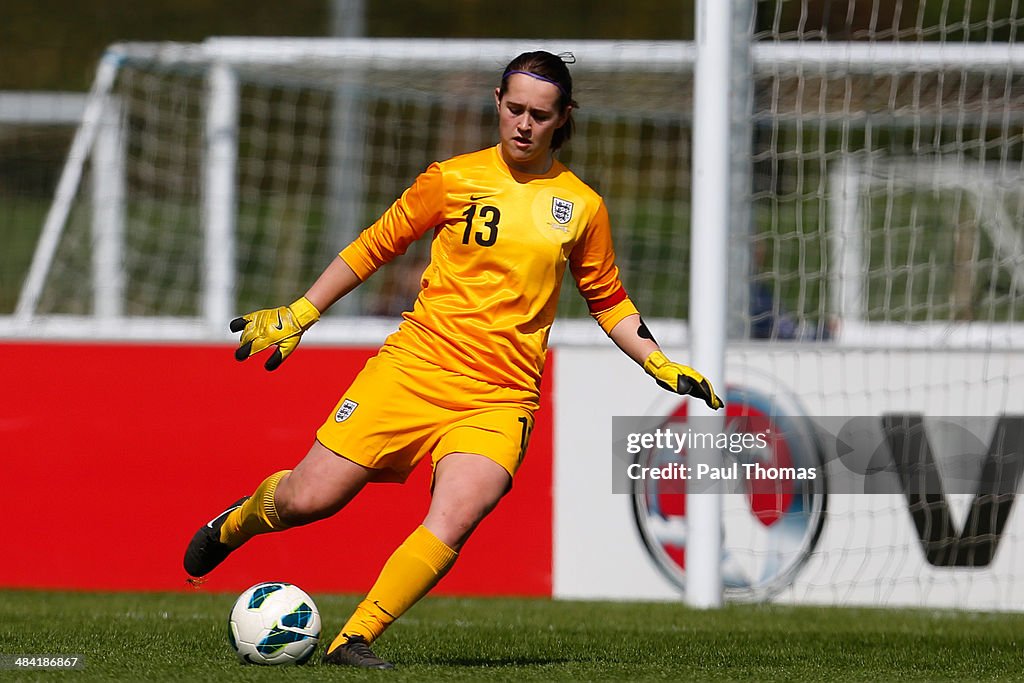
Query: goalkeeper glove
[281, 327]
[681, 379]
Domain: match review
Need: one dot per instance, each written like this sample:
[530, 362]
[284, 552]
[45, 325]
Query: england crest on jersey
[345, 410]
[561, 210]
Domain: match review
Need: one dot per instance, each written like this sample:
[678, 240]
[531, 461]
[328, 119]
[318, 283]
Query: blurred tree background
[55, 44]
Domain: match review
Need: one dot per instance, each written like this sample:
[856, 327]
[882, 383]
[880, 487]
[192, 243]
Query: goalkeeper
[459, 379]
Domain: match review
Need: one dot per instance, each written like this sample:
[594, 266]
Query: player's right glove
[281, 327]
[681, 379]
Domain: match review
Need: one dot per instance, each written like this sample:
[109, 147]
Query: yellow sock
[258, 515]
[409, 574]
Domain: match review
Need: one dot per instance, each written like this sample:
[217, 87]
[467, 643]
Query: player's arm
[282, 327]
[633, 338]
[405, 221]
[592, 263]
[337, 280]
[636, 341]
[418, 210]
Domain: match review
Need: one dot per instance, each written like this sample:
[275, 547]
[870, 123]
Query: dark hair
[550, 68]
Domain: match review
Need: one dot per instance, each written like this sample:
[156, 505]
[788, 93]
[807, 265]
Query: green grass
[156, 637]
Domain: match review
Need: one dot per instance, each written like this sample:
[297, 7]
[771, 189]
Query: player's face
[528, 117]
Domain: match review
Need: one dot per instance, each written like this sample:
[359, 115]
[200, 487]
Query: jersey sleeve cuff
[610, 317]
[358, 260]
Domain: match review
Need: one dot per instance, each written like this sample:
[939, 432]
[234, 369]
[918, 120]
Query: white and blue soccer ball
[274, 623]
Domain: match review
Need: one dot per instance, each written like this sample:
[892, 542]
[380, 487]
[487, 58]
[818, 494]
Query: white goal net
[227, 173]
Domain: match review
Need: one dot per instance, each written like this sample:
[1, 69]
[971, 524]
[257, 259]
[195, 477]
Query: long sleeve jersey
[501, 243]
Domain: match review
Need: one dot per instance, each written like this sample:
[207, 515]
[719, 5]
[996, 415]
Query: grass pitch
[158, 637]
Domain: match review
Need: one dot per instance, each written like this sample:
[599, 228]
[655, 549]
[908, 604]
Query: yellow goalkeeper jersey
[501, 242]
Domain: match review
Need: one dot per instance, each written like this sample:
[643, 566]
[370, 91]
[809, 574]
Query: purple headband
[539, 78]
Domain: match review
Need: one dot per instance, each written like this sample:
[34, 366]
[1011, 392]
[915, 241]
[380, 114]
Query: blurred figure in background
[769, 319]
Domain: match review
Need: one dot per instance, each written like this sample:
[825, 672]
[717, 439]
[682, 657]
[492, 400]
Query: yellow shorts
[400, 407]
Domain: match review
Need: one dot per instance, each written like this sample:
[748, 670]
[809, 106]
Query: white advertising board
[862, 549]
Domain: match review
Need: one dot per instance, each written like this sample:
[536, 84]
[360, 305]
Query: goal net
[886, 188]
[228, 172]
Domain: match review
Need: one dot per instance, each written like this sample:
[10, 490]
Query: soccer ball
[274, 623]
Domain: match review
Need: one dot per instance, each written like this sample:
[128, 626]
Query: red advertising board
[116, 453]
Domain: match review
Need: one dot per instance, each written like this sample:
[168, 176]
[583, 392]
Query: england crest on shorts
[345, 410]
[561, 210]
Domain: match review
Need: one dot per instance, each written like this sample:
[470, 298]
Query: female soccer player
[460, 377]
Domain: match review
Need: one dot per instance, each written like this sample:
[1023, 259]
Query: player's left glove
[681, 379]
[281, 327]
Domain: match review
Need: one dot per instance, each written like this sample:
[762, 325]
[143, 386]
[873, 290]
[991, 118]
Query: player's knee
[452, 535]
[459, 530]
[454, 524]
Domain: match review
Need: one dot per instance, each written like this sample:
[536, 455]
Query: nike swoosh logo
[476, 197]
[280, 325]
[223, 514]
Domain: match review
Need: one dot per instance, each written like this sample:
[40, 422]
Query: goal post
[98, 134]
